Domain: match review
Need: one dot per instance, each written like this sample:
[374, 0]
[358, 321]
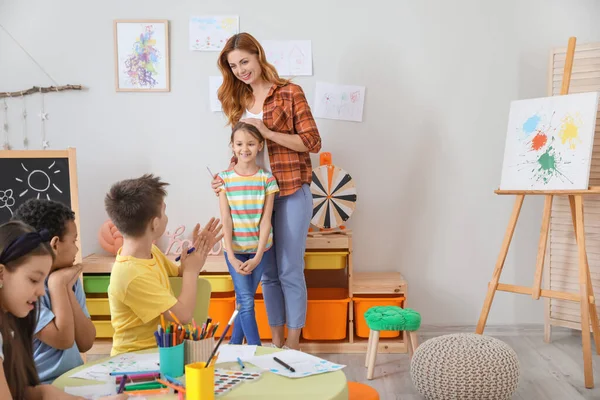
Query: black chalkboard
[34, 174]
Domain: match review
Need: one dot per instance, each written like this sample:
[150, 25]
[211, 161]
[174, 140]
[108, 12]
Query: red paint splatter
[538, 141]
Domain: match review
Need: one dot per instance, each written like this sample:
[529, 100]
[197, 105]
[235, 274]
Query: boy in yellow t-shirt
[139, 290]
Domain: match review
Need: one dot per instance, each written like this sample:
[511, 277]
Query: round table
[328, 386]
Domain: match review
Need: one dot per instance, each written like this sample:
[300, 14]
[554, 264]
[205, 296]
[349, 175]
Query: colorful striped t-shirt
[246, 196]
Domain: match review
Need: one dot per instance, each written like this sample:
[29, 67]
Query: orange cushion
[360, 391]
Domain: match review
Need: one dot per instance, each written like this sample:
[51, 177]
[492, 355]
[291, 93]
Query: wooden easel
[586, 294]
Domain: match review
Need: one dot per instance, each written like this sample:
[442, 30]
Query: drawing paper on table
[121, 363]
[303, 364]
[93, 392]
[230, 353]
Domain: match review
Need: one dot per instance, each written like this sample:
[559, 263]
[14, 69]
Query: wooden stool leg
[369, 344]
[414, 340]
[373, 354]
[493, 285]
[407, 340]
[584, 300]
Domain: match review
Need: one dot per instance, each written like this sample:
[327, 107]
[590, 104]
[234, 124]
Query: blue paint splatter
[531, 123]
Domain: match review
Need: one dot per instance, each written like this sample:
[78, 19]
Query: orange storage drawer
[220, 309]
[363, 302]
[260, 311]
[327, 314]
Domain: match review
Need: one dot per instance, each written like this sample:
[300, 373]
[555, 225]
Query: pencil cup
[171, 360]
[200, 381]
[198, 350]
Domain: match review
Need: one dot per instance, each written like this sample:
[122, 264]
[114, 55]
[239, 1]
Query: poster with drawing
[549, 143]
[342, 102]
[290, 57]
[142, 55]
[214, 83]
[210, 33]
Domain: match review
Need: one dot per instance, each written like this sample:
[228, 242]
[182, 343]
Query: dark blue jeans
[245, 288]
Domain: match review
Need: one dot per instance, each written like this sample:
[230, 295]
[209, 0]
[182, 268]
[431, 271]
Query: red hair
[235, 95]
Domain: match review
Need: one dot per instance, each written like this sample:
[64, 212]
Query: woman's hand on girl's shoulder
[216, 184]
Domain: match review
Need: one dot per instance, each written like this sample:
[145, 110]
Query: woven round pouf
[465, 366]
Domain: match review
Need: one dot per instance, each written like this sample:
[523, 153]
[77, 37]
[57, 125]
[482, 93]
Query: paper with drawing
[121, 363]
[303, 364]
[343, 102]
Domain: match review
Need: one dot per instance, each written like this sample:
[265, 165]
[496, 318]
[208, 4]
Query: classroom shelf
[389, 284]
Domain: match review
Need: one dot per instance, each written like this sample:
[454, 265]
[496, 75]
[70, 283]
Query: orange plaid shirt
[286, 110]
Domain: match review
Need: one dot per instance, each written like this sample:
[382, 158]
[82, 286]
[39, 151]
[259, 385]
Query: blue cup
[171, 360]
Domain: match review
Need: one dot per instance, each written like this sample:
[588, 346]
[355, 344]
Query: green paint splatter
[547, 167]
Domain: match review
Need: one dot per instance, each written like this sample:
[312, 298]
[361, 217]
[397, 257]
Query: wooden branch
[37, 89]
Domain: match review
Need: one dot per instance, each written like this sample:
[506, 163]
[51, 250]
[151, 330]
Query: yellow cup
[199, 381]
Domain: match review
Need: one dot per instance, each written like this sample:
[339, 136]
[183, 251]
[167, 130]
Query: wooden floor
[548, 371]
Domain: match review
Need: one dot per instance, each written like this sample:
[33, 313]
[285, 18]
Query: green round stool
[390, 318]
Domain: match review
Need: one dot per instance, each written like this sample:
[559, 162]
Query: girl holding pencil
[246, 202]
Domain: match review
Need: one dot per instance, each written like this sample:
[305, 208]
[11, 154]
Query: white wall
[439, 78]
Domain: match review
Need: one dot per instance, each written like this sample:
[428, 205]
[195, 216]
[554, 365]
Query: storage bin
[325, 259]
[327, 314]
[104, 329]
[219, 283]
[97, 306]
[363, 302]
[220, 309]
[96, 283]
[262, 320]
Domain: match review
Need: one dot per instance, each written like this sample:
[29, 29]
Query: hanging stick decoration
[38, 89]
[24, 116]
[5, 141]
[43, 117]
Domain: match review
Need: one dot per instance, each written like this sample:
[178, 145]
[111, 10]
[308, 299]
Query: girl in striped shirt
[246, 202]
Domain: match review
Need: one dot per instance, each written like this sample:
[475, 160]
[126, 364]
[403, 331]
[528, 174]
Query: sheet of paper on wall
[121, 363]
[210, 33]
[93, 392]
[214, 83]
[342, 102]
[290, 57]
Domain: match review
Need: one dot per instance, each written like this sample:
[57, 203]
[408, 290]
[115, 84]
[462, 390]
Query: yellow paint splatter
[569, 131]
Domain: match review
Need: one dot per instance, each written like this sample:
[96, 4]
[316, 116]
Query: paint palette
[225, 380]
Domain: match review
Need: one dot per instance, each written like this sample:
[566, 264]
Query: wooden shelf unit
[391, 283]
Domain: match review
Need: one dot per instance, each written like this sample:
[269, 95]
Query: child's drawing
[142, 55]
[549, 143]
[341, 102]
[121, 363]
[210, 33]
[290, 57]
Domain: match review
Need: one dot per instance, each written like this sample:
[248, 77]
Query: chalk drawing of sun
[39, 181]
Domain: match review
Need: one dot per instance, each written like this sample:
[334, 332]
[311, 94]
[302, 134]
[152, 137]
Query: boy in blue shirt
[64, 328]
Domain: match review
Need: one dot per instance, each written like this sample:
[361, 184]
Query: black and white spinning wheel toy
[334, 196]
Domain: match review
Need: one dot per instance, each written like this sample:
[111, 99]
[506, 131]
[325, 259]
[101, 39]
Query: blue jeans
[283, 283]
[245, 288]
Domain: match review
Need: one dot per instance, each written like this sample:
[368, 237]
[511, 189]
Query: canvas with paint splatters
[549, 143]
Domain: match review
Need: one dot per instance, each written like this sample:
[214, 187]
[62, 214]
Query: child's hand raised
[212, 230]
[195, 260]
